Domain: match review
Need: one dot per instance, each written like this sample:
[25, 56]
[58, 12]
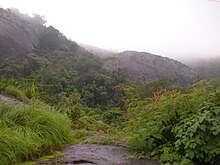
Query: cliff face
[17, 36]
[144, 66]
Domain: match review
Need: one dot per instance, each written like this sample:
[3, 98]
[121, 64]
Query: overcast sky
[173, 28]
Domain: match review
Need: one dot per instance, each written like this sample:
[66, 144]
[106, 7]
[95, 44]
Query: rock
[90, 154]
[10, 101]
[143, 66]
[17, 35]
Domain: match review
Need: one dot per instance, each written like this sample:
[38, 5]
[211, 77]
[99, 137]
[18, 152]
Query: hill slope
[206, 68]
[145, 66]
[31, 50]
[17, 36]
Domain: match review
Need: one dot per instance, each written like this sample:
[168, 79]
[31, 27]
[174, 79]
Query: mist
[180, 29]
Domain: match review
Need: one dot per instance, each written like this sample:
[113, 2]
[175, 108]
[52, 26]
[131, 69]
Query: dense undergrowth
[176, 127]
[33, 128]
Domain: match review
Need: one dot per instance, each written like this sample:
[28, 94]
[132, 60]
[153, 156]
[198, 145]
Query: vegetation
[176, 127]
[28, 132]
[206, 68]
[62, 88]
[33, 128]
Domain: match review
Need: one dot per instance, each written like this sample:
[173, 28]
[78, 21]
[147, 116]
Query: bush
[113, 116]
[90, 124]
[26, 133]
[171, 123]
[198, 136]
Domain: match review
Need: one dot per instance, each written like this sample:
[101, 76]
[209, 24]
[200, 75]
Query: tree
[39, 19]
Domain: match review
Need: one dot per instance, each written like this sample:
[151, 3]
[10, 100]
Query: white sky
[173, 28]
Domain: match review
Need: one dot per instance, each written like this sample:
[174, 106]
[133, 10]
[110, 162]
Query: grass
[90, 131]
[90, 124]
[28, 133]
[14, 92]
[52, 158]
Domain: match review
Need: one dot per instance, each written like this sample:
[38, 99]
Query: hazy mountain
[17, 35]
[21, 35]
[145, 66]
[98, 51]
[206, 68]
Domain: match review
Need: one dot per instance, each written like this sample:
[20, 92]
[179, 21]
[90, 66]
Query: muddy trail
[96, 154]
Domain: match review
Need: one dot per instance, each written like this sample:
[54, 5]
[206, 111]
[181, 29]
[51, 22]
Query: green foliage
[174, 159]
[12, 91]
[113, 116]
[198, 136]
[97, 89]
[22, 90]
[147, 89]
[58, 65]
[176, 127]
[10, 68]
[90, 124]
[71, 105]
[26, 133]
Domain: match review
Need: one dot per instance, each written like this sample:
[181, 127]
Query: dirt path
[96, 154]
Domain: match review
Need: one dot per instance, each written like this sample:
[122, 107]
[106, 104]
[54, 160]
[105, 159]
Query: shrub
[198, 136]
[90, 124]
[113, 116]
[175, 127]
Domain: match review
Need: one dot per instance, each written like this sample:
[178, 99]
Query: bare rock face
[17, 36]
[143, 66]
[96, 154]
[10, 101]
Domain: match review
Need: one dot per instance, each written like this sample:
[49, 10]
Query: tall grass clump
[27, 133]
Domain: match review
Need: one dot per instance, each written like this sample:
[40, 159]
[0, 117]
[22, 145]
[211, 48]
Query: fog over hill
[99, 51]
[179, 29]
[21, 35]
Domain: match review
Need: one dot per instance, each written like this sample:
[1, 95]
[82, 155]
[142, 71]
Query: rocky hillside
[145, 66]
[17, 35]
[21, 35]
